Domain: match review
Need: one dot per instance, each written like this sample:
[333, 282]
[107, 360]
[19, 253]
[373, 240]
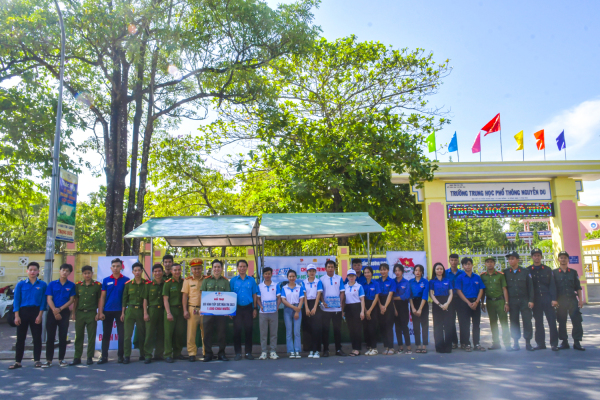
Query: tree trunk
[338, 207]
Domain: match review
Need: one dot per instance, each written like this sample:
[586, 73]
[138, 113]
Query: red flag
[492, 126]
[407, 262]
[539, 140]
[477, 145]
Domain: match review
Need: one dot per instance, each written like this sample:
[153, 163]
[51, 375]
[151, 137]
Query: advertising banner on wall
[281, 266]
[103, 272]
[66, 206]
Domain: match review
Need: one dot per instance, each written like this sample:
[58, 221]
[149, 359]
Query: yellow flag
[519, 139]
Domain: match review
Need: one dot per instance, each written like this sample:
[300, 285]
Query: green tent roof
[211, 231]
[316, 225]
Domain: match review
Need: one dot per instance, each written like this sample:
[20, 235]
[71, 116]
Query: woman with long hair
[292, 297]
[401, 309]
[419, 294]
[371, 288]
[440, 290]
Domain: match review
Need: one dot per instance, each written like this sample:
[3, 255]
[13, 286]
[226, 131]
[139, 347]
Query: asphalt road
[567, 374]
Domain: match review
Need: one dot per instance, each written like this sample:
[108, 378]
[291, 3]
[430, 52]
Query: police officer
[85, 314]
[175, 325]
[544, 289]
[215, 283]
[154, 315]
[132, 314]
[570, 302]
[520, 300]
[191, 307]
[496, 303]
[167, 262]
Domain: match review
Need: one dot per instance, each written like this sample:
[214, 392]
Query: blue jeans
[292, 330]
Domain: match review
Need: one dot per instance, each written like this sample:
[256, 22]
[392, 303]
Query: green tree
[24, 228]
[593, 235]
[89, 225]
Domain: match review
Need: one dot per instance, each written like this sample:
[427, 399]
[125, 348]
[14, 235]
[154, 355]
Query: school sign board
[498, 191]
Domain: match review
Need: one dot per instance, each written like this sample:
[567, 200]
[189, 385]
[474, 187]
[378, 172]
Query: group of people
[165, 311]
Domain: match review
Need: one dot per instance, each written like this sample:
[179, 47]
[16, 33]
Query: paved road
[544, 374]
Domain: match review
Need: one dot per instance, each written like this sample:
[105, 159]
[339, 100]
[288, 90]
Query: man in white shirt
[269, 297]
[332, 304]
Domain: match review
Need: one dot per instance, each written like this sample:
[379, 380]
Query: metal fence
[591, 264]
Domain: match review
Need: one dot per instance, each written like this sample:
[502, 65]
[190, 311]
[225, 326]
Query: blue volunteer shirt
[385, 287]
[114, 292]
[441, 287]
[419, 290]
[452, 276]
[402, 289]
[28, 295]
[371, 289]
[361, 280]
[470, 286]
[60, 293]
[245, 289]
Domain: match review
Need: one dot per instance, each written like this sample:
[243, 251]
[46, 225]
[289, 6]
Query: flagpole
[458, 154]
[565, 149]
[436, 154]
[544, 153]
[501, 157]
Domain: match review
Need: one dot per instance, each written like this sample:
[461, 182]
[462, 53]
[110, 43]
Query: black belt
[86, 310]
[194, 306]
[130, 306]
[156, 306]
[177, 306]
[496, 298]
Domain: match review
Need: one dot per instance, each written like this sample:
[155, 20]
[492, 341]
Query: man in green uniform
[570, 302]
[520, 300]
[167, 263]
[85, 314]
[215, 283]
[175, 324]
[496, 303]
[154, 315]
[133, 314]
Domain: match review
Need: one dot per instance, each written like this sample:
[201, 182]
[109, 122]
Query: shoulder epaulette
[501, 272]
[169, 280]
[129, 281]
[80, 283]
[189, 277]
[98, 283]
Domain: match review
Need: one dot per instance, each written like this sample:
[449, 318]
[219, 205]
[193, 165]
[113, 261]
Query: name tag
[332, 302]
[269, 306]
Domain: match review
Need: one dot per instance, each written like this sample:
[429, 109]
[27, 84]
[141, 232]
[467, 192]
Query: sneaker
[298, 355]
[273, 356]
[368, 352]
[263, 356]
[316, 355]
[311, 354]
[292, 355]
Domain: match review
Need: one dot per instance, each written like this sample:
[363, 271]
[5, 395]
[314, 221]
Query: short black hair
[356, 261]
[422, 268]
[368, 267]
[237, 264]
[137, 264]
[466, 260]
[291, 271]
[454, 255]
[216, 261]
[35, 264]
[267, 269]
[384, 266]
[399, 266]
[67, 266]
[157, 266]
[167, 257]
[443, 269]
[330, 262]
[176, 265]
[87, 268]
[116, 260]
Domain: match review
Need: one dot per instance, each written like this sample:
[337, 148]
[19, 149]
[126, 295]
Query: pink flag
[477, 145]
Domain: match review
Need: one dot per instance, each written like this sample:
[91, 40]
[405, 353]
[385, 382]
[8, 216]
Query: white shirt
[332, 287]
[294, 295]
[312, 288]
[354, 293]
[268, 294]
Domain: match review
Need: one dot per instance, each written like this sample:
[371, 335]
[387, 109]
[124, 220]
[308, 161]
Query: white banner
[218, 303]
[498, 191]
[103, 272]
[281, 266]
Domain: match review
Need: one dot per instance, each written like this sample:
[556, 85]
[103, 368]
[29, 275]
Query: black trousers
[520, 308]
[370, 325]
[386, 326]
[442, 326]
[465, 316]
[401, 321]
[421, 323]
[28, 316]
[209, 323]
[63, 329]
[456, 300]
[352, 312]
[335, 318]
[243, 319]
[569, 307]
[110, 318]
[543, 305]
[311, 328]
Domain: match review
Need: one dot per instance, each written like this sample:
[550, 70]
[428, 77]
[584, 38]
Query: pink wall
[436, 216]
[570, 227]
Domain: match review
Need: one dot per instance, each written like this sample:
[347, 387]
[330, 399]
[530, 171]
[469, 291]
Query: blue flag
[453, 146]
[560, 141]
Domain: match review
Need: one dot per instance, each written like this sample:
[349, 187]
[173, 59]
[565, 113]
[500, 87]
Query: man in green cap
[570, 302]
[154, 315]
[175, 324]
[496, 303]
[85, 314]
[133, 314]
[520, 300]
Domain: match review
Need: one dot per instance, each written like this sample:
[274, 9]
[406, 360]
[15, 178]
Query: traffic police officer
[133, 314]
[496, 302]
[154, 315]
[191, 307]
[544, 302]
[175, 324]
[570, 301]
[215, 283]
[85, 314]
[520, 300]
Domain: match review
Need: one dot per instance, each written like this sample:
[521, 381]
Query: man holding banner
[215, 283]
[111, 309]
[333, 300]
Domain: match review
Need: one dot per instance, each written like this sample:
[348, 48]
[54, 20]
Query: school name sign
[498, 191]
[499, 210]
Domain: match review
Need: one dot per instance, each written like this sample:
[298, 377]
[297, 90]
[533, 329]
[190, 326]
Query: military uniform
[85, 316]
[494, 302]
[209, 322]
[544, 289]
[520, 293]
[174, 330]
[155, 328]
[191, 287]
[133, 300]
[567, 285]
